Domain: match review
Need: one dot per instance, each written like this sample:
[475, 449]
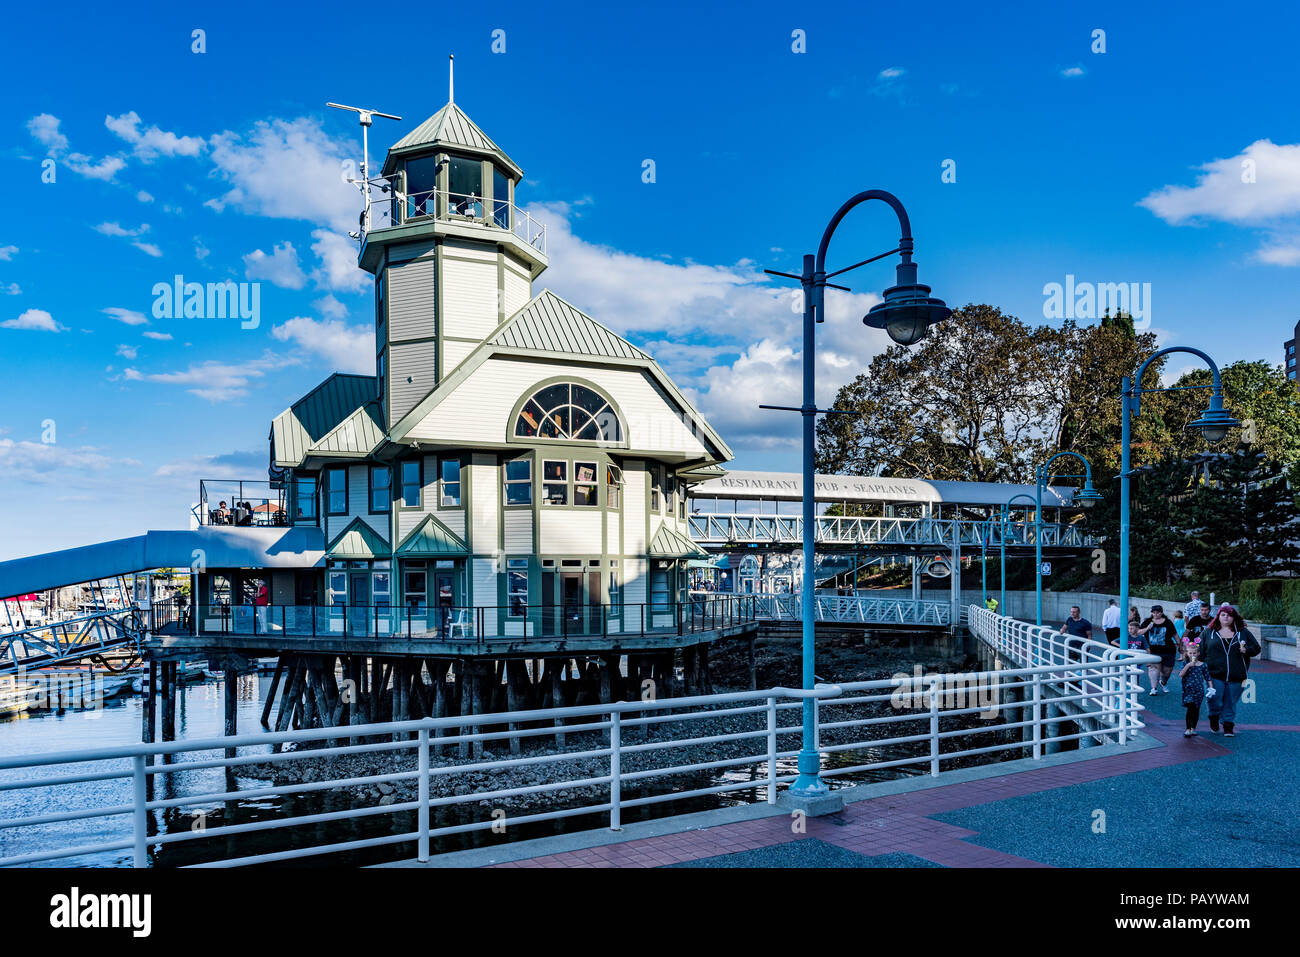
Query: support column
[555, 666]
[232, 705]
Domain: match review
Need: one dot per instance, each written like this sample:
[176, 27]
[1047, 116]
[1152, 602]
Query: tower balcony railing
[240, 502]
[390, 206]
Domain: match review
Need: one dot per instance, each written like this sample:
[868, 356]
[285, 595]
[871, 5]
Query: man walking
[1193, 608]
[1076, 626]
[1110, 622]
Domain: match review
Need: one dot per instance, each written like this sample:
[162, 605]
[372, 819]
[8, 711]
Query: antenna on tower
[451, 78]
[363, 184]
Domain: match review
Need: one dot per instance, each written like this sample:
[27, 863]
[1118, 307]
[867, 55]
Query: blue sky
[1122, 166]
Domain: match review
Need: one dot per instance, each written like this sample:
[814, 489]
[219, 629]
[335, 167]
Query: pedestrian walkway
[1165, 801]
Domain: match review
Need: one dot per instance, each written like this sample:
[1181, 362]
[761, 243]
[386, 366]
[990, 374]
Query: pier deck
[1156, 797]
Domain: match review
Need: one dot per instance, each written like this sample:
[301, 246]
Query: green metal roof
[449, 128]
[702, 472]
[550, 324]
[432, 539]
[669, 543]
[295, 430]
[359, 542]
[359, 434]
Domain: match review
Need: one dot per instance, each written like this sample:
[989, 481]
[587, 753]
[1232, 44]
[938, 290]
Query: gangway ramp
[209, 546]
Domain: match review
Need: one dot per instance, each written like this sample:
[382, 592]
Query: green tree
[1243, 522]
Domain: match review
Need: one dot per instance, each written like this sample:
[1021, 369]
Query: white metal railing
[390, 206]
[1090, 677]
[864, 530]
[645, 752]
[854, 609]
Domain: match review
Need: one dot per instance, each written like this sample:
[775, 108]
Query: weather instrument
[363, 183]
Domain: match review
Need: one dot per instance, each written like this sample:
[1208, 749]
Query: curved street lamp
[1213, 424]
[905, 314]
[1086, 497]
[1006, 516]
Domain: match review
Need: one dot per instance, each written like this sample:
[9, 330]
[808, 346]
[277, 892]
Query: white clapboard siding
[486, 486]
[634, 584]
[469, 300]
[569, 530]
[480, 408]
[359, 501]
[613, 534]
[412, 299]
[454, 352]
[519, 531]
[634, 508]
[518, 287]
[412, 374]
[485, 592]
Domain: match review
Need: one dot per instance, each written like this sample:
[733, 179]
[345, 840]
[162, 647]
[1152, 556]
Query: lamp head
[1215, 422]
[1088, 496]
[908, 310]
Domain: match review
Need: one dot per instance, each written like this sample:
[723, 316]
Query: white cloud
[7, 253]
[148, 144]
[33, 319]
[344, 348]
[338, 269]
[45, 463]
[891, 73]
[1223, 191]
[286, 169]
[1073, 71]
[1259, 187]
[214, 380]
[149, 249]
[129, 316]
[144, 197]
[200, 251]
[330, 306]
[160, 336]
[690, 315]
[104, 169]
[117, 229]
[12, 289]
[127, 352]
[45, 128]
[280, 267]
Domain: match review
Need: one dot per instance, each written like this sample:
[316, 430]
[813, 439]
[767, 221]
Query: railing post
[934, 727]
[615, 770]
[423, 853]
[139, 813]
[771, 749]
[1038, 716]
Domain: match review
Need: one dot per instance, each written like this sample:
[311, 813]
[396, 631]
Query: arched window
[568, 411]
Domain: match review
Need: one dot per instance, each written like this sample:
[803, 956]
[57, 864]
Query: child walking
[1196, 678]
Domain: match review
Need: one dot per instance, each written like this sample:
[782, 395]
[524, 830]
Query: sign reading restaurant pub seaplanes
[790, 485]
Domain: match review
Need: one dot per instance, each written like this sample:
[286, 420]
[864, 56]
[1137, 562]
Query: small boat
[16, 698]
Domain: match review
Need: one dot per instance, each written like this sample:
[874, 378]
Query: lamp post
[905, 314]
[1213, 425]
[1006, 514]
[1086, 498]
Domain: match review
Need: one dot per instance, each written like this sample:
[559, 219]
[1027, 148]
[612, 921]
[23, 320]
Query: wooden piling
[169, 701]
[555, 666]
[270, 696]
[232, 705]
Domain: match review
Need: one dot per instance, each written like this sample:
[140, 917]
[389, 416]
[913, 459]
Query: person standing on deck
[1110, 622]
[1229, 646]
[1162, 640]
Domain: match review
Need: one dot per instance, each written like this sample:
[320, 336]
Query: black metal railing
[238, 502]
[480, 623]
